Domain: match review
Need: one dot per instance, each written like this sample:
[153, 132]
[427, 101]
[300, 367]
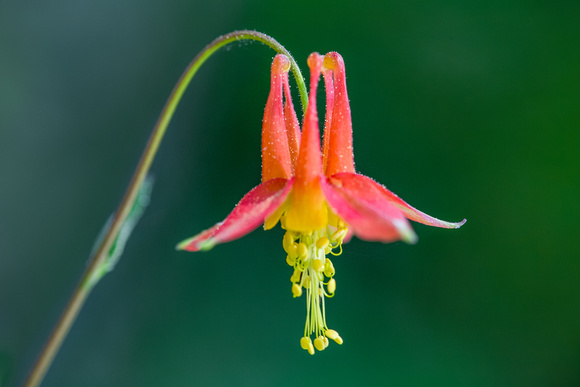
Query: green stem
[99, 258]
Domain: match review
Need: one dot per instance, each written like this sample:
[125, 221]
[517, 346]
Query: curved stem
[99, 258]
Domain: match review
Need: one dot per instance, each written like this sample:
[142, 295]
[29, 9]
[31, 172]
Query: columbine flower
[317, 196]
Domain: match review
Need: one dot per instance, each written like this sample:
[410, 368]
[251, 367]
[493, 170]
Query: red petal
[275, 152]
[329, 87]
[338, 157]
[292, 125]
[361, 205]
[309, 165]
[410, 212]
[250, 212]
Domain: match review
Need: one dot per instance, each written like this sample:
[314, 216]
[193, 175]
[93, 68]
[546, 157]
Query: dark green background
[465, 109]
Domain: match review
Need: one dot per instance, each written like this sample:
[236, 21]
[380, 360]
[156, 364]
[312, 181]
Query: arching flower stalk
[314, 192]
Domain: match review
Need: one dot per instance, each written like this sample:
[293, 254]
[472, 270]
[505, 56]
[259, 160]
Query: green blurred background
[465, 109]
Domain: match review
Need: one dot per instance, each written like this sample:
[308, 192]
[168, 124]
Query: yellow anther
[290, 260]
[340, 224]
[319, 343]
[321, 243]
[338, 235]
[306, 344]
[288, 240]
[331, 286]
[318, 265]
[328, 268]
[333, 335]
[306, 282]
[289, 245]
[325, 340]
[302, 251]
[329, 271]
[295, 276]
[292, 250]
[296, 290]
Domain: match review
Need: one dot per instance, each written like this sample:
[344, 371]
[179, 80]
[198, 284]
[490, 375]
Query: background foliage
[465, 109]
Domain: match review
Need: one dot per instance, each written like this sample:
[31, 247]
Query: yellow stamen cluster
[314, 272]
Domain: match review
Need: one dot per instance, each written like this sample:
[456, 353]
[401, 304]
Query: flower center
[313, 271]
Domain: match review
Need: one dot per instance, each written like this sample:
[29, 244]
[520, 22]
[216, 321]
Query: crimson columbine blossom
[316, 195]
